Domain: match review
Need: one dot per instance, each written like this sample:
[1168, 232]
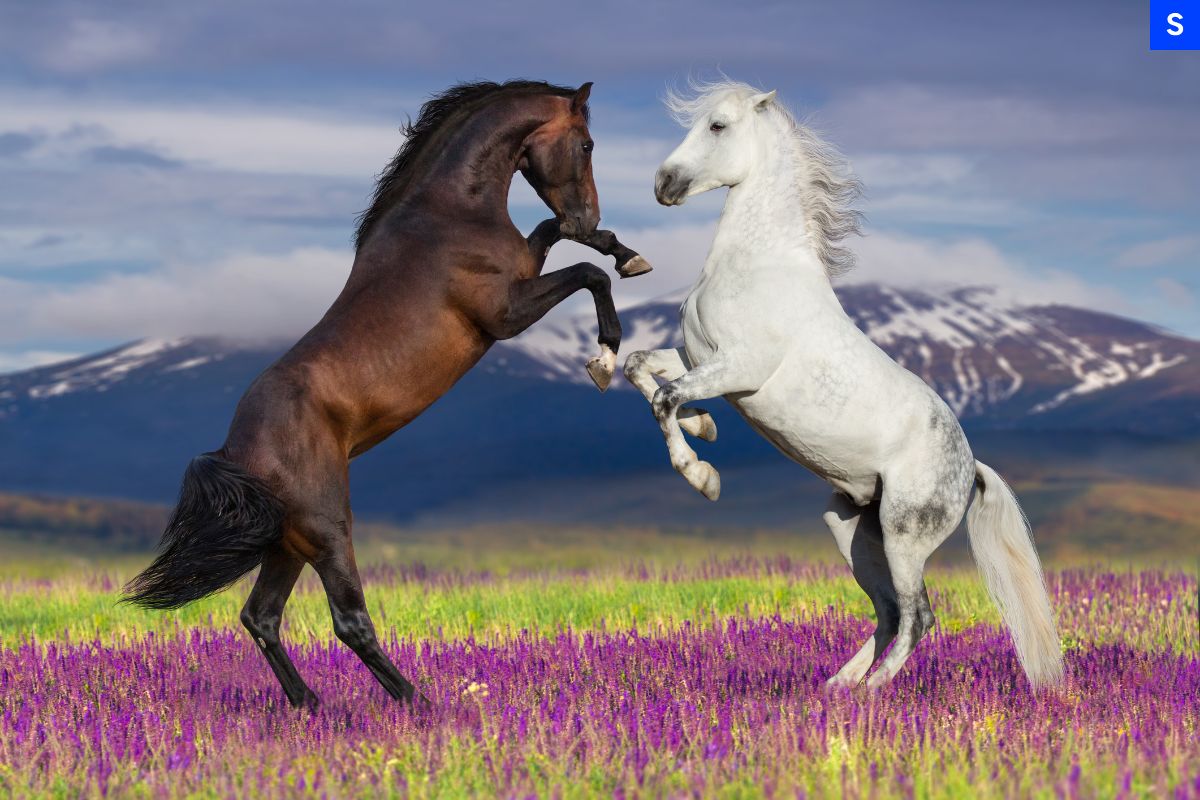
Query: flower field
[697, 680]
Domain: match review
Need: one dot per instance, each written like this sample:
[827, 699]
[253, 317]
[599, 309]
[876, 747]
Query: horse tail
[1002, 544]
[225, 519]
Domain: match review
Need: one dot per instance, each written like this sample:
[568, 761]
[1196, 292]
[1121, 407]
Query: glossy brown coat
[440, 274]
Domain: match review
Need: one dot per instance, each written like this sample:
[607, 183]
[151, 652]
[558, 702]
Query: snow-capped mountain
[988, 356]
[125, 422]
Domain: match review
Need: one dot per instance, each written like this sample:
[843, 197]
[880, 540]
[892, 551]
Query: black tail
[224, 521]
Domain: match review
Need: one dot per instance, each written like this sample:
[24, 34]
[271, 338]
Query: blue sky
[169, 169]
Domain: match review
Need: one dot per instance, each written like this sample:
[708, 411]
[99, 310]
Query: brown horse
[440, 273]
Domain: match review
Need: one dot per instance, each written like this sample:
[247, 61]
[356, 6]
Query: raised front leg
[643, 366]
[716, 378]
[629, 263]
[529, 300]
[544, 236]
[548, 233]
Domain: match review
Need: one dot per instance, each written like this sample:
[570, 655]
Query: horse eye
[717, 127]
[588, 145]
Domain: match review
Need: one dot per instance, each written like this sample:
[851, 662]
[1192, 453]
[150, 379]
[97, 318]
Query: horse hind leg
[351, 622]
[911, 532]
[860, 540]
[263, 614]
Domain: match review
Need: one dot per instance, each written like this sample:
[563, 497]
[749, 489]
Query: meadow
[681, 666]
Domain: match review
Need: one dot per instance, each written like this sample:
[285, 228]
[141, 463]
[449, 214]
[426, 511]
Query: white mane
[827, 188]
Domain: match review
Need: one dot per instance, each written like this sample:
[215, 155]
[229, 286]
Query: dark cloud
[1055, 49]
[15, 143]
[49, 240]
[130, 157]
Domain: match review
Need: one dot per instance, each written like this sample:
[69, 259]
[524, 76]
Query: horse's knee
[596, 279]
[634, 364]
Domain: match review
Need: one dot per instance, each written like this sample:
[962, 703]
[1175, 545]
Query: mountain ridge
[124, 422]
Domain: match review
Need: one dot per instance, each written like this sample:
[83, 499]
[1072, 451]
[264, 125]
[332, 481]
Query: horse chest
[714, 318]
[696, 341]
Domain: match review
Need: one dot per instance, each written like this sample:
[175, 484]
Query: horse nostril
[670, 188]
[663, 185]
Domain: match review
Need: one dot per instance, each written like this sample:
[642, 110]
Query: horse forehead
[560, 125]
[729, 107]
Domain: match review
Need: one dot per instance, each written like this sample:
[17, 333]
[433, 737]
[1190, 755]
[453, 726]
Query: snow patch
[100, 373]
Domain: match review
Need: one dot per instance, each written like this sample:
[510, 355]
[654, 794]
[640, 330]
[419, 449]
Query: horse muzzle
[574, 226]
[670, 188]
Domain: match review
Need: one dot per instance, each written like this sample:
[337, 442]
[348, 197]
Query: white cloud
[89, 44]
[260, 295]
[927, 119]
[906, 260]
[1159, 252]
[946, 208]
[243, 295]
[28, 359]
[1175, 293]
[276, 140]
[255, 295]
[227, 137]
[895, 171]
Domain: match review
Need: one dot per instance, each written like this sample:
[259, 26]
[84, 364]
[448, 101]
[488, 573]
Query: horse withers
[440, 273]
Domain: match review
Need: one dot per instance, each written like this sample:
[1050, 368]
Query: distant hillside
[997, 363]
[120, 524]
[525, 435]
[1078, 517]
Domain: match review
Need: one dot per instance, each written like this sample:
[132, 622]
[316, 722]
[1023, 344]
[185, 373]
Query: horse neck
[474, 168]
[765, 213]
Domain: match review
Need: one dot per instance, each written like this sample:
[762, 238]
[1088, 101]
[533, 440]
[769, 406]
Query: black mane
[432, 116]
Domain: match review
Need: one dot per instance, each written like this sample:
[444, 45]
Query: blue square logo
[1175, 24]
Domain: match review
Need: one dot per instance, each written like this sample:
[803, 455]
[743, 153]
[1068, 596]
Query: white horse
[763, 329]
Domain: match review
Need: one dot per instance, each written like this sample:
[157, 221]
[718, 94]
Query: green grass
[79, 608]
[491, 584]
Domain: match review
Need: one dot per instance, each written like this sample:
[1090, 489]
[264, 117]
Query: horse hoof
[308, 700]
[698, 423]
[634, 266]
[840, 681]
[703, 478]
[601, 367]
[419, 702]
[877, 681]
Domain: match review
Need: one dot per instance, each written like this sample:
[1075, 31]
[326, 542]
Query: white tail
[1003, 547]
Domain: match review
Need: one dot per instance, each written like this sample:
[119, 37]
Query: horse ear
[581, 97]
[761, 101]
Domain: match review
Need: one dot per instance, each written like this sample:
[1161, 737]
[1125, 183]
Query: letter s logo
[1175, 24]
